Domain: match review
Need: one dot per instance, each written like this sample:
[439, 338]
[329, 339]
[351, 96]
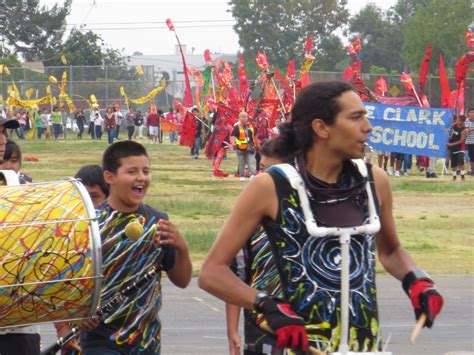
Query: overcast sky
[138, 25]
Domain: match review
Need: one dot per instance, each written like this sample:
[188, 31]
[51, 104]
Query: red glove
[287, 325]
[423, 295]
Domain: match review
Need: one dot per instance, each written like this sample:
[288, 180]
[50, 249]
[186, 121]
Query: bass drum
[50, 254]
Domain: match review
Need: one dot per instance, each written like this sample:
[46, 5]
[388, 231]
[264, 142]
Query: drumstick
[416, 331]
[312, 350]
[133, 230]
[104, 309]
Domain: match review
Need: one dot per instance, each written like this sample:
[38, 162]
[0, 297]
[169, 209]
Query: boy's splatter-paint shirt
[134, 326]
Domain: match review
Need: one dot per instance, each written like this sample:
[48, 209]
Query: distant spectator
[457, 137]
[92, 177]
[80, 120]
[469, 123]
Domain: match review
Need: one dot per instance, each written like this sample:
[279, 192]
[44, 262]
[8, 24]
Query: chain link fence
[105, 81]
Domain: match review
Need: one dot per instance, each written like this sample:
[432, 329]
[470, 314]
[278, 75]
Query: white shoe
[242, 179]
[397, 173]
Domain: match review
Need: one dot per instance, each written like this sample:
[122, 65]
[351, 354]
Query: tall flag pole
[188, 97]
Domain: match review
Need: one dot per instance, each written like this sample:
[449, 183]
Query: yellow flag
[63, 81]
[122, 91]
[29, 92]
[1, 68]
[151, 94]
[64, 96]
[306, 66]
[63, 59]
[53, 80]
[139, 70]
[15, 102]
[6, 70]
[93, 99]
[54, 101]
[48, 89]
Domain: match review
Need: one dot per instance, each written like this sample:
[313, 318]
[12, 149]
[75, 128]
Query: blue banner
[411, 130]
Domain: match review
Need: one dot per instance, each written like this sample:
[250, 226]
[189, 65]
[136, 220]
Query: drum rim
[95, 243]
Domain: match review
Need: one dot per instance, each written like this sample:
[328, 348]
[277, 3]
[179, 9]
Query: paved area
[194, 321]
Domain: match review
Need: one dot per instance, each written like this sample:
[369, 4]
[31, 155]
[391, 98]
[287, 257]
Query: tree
[331, 55]
[440, 23]
[404, 9]
[87, 49]
[380, 37]
[280, 27]
[30, 30]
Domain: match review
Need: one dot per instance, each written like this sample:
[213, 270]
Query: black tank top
[309, 267]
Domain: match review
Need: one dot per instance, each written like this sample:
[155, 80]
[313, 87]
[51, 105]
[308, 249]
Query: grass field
[434, 216]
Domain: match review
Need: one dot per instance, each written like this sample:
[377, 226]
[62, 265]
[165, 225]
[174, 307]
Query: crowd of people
[244, 138]
[264, 258]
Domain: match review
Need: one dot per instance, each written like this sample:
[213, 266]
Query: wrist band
[259, 298]
[412, 276]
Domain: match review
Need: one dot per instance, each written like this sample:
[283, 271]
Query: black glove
[287, 325]
[423, 295]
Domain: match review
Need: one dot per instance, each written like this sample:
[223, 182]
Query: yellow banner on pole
[151, 94]
[16, 102]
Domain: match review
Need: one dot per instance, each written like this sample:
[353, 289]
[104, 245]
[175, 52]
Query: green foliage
[281, 27]
[404, 9]
[330, 54]
[377, 70]
[381, 39]
[30, 30]
[439, 23]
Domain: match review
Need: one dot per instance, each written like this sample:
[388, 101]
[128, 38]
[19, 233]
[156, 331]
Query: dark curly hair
[318, 100]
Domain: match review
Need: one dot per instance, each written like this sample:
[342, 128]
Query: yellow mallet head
[134, 230]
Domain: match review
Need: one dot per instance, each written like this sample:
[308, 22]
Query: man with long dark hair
[326, 187]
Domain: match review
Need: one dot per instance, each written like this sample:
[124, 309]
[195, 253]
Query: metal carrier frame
[344, 235]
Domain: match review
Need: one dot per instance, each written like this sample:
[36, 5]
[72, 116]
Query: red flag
[188, 96]
[381, 86]
[469, 38]
[351, 49]
[443, 83]
[188, 132]
[290, 70]
[356, 44]
[424, 101]
[348, 74]
[305, 80]
[244, 87]
[462, 65]
[407, 82]
[424, 68]
[309, 45]
[456, 99]
[357, 68]
[170, 24]
[207, 56]
[283, 81]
